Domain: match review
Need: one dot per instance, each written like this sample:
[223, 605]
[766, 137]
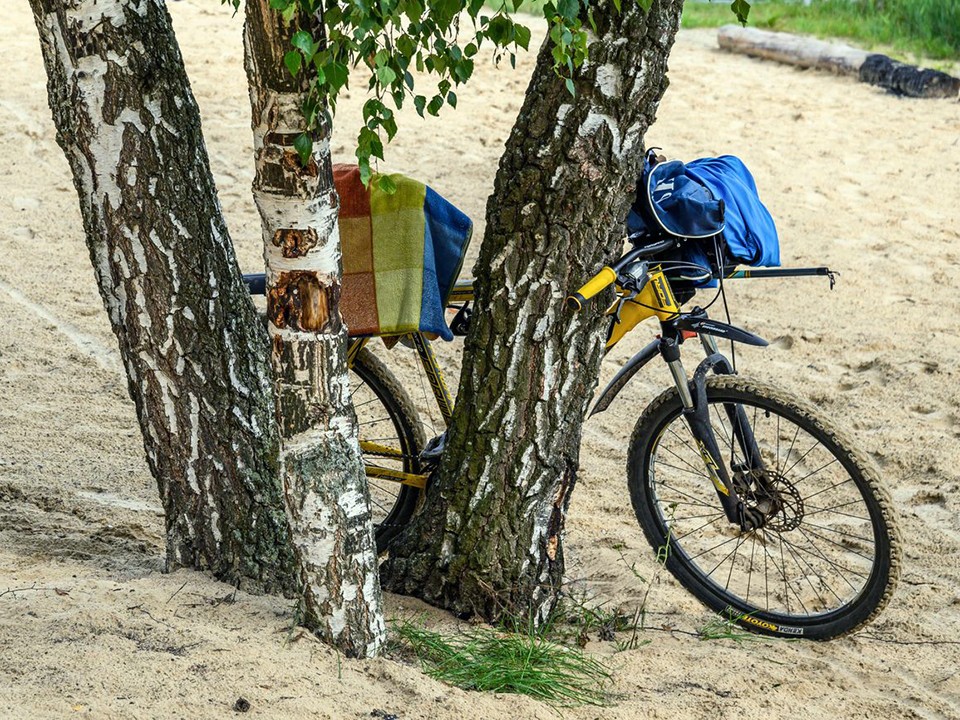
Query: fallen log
[839, 58]
[792, 49]
[908, 80]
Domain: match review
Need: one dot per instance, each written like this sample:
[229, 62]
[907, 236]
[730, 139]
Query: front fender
[706, 326]
[620, 380]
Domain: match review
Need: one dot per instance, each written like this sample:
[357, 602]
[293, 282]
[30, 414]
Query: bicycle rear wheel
[827, 559]
[386, 417]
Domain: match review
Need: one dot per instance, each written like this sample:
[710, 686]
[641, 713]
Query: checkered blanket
[401, 255]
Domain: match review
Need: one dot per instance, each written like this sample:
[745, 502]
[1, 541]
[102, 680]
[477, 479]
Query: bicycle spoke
[802, 457]
[822, 467]
[371, 422]
[818, 510]
[831, 487]
[753, 550]
[839, 545]
[796, 594]
[696, 501]
[733, 562]
[690, 532]
[719, 545]
[690, 472]
[842, 571]
[797, 559]
[841, 532]
[786, 458]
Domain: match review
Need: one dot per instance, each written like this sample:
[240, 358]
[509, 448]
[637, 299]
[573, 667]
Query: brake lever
[633, 278]
[621, 299]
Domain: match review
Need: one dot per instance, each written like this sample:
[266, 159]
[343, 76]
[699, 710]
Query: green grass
[929, 28]
[507, 662]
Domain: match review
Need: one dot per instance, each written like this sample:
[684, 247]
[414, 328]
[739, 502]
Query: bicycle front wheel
[391, 437]
[827, 559]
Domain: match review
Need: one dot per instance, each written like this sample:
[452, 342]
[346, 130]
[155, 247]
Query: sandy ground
[857, 179]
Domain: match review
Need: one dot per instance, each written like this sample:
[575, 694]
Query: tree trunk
[325, 486]
[195, 356]
[489, 538]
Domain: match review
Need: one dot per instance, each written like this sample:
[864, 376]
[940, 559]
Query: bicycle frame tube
[437, 384]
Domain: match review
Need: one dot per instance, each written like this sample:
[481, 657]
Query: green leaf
[435, 104]
[570, 88]
[386, 75]
[452, 99]
[337, 75]
[303, 41]
[522, 36]
[500, 30]
[741, 8]
[321, 76]
[386, 184]
[463, 70]
[390, 125]
[569, 9]
[304, 147]
[364, 162]
[292, 60]
[419, 102]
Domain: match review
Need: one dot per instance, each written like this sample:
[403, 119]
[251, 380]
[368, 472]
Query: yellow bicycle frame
[655, 300]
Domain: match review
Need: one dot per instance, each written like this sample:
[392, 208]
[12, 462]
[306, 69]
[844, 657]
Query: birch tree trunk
[325, 486]
[194, 354]
[489, 540]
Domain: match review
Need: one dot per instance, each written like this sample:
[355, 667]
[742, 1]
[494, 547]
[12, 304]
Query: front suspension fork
[693, 396]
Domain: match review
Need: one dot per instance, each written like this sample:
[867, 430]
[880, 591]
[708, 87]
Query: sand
[857, 179]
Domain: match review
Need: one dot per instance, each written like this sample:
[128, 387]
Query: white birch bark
[325, 486]
[489, 540]
[191, 347]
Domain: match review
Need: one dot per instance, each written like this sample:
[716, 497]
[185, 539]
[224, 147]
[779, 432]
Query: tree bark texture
[194, 354]
[489, 538]
[327, 498]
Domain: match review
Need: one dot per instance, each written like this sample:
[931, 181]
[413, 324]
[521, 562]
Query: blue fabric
[680, 203]
[683, 200]
[446, 237]
[750, 232]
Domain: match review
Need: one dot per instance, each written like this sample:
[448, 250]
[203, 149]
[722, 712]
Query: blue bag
[700, 200]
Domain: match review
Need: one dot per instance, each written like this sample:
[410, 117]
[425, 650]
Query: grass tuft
[508, 662]
[722, 628]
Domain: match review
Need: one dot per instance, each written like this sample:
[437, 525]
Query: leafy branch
[393, 39]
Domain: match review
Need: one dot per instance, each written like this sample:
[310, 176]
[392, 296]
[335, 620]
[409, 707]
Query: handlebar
[608, 275]
[598, 283]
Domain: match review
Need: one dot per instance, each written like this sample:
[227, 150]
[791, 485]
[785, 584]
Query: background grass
[929, 28]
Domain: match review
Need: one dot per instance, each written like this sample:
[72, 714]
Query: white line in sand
[104, 357]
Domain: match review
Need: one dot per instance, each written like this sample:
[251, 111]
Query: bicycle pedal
[434, 449]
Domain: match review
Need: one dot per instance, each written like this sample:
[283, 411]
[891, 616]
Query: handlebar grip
[599, 282]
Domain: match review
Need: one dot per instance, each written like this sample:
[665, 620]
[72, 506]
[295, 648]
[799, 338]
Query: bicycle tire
[833, 574]
[385, 414]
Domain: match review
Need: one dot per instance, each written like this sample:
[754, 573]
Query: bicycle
[715, 463]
